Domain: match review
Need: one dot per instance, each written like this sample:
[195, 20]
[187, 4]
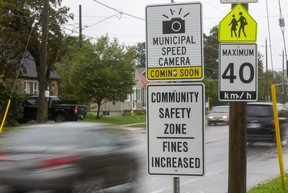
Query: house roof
[142, 75]
[30, 70]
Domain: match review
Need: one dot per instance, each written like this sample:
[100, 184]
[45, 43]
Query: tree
[211, 54]
[21, 31]
[211, 44]
[107, 73]
[74, 56]
[140, 54]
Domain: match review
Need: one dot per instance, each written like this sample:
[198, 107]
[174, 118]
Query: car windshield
[220, 110]
[259, 111]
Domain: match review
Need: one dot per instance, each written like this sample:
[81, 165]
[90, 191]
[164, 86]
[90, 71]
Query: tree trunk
[98, 110]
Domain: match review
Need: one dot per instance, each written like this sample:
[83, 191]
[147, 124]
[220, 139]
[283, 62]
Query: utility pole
[266, 76]
[80, 27]
[283, 79]
[237, 145]
[42, 112]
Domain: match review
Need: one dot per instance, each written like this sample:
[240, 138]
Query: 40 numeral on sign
[229, 73]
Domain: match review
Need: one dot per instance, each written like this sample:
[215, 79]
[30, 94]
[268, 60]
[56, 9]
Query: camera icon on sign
[173, 26]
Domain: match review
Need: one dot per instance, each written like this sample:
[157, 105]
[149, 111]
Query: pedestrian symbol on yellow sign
[237, 26]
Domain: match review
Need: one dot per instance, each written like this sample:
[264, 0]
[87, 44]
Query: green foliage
[140, 54]
[73, 57]
[211, 44]
[19, 20]
[97, 72]
[70, 99]
[15, 109]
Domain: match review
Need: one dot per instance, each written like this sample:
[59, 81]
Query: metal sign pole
[176, 185]
[176, 180]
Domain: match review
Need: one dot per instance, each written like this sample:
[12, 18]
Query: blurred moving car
[218, 114]
[66, 157]
[261, 124]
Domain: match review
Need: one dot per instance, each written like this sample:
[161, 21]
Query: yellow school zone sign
[237, 26]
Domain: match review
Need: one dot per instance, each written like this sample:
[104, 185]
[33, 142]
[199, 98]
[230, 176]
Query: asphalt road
[262, 164]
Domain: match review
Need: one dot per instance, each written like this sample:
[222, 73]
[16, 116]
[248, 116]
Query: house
[28, 82]
[135, 102]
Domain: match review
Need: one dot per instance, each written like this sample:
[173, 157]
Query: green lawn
[136, 120]
[272, 186]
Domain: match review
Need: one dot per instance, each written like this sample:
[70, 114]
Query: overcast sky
[129, 28]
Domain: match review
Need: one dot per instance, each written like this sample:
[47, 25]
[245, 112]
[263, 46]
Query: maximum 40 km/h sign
[238, 72]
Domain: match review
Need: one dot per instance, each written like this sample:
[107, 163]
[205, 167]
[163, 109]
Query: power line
[118, 11]
[100, 21]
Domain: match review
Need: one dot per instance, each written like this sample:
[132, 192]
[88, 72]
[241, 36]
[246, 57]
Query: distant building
[136, 101]
[28, 81]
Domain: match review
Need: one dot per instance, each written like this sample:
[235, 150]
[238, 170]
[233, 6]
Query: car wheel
[60, 118]
[89, 185]
[131, 175]
[131, 179]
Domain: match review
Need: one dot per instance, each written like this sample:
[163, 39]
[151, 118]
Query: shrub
[15, 109]
[70, 99]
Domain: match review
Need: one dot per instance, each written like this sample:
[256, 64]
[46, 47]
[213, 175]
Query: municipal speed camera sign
[238, 72]
[174, 44]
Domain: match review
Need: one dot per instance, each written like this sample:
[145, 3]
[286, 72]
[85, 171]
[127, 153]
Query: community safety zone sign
[175, 129]
[174, 47]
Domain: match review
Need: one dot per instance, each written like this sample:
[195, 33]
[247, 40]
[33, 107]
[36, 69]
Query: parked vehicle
[218, 114]
[56, 110]
[67, 157]
[261, 124]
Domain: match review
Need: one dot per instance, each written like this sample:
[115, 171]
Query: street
[262, 164]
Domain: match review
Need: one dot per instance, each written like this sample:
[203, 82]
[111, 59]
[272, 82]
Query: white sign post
[239, 1]
[174, 44]
[238, 72]
[175, 127]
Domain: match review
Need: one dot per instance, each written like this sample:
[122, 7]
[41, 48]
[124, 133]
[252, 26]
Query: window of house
[31, 87]
[138, 94]
[129, 97]
[135, 95]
